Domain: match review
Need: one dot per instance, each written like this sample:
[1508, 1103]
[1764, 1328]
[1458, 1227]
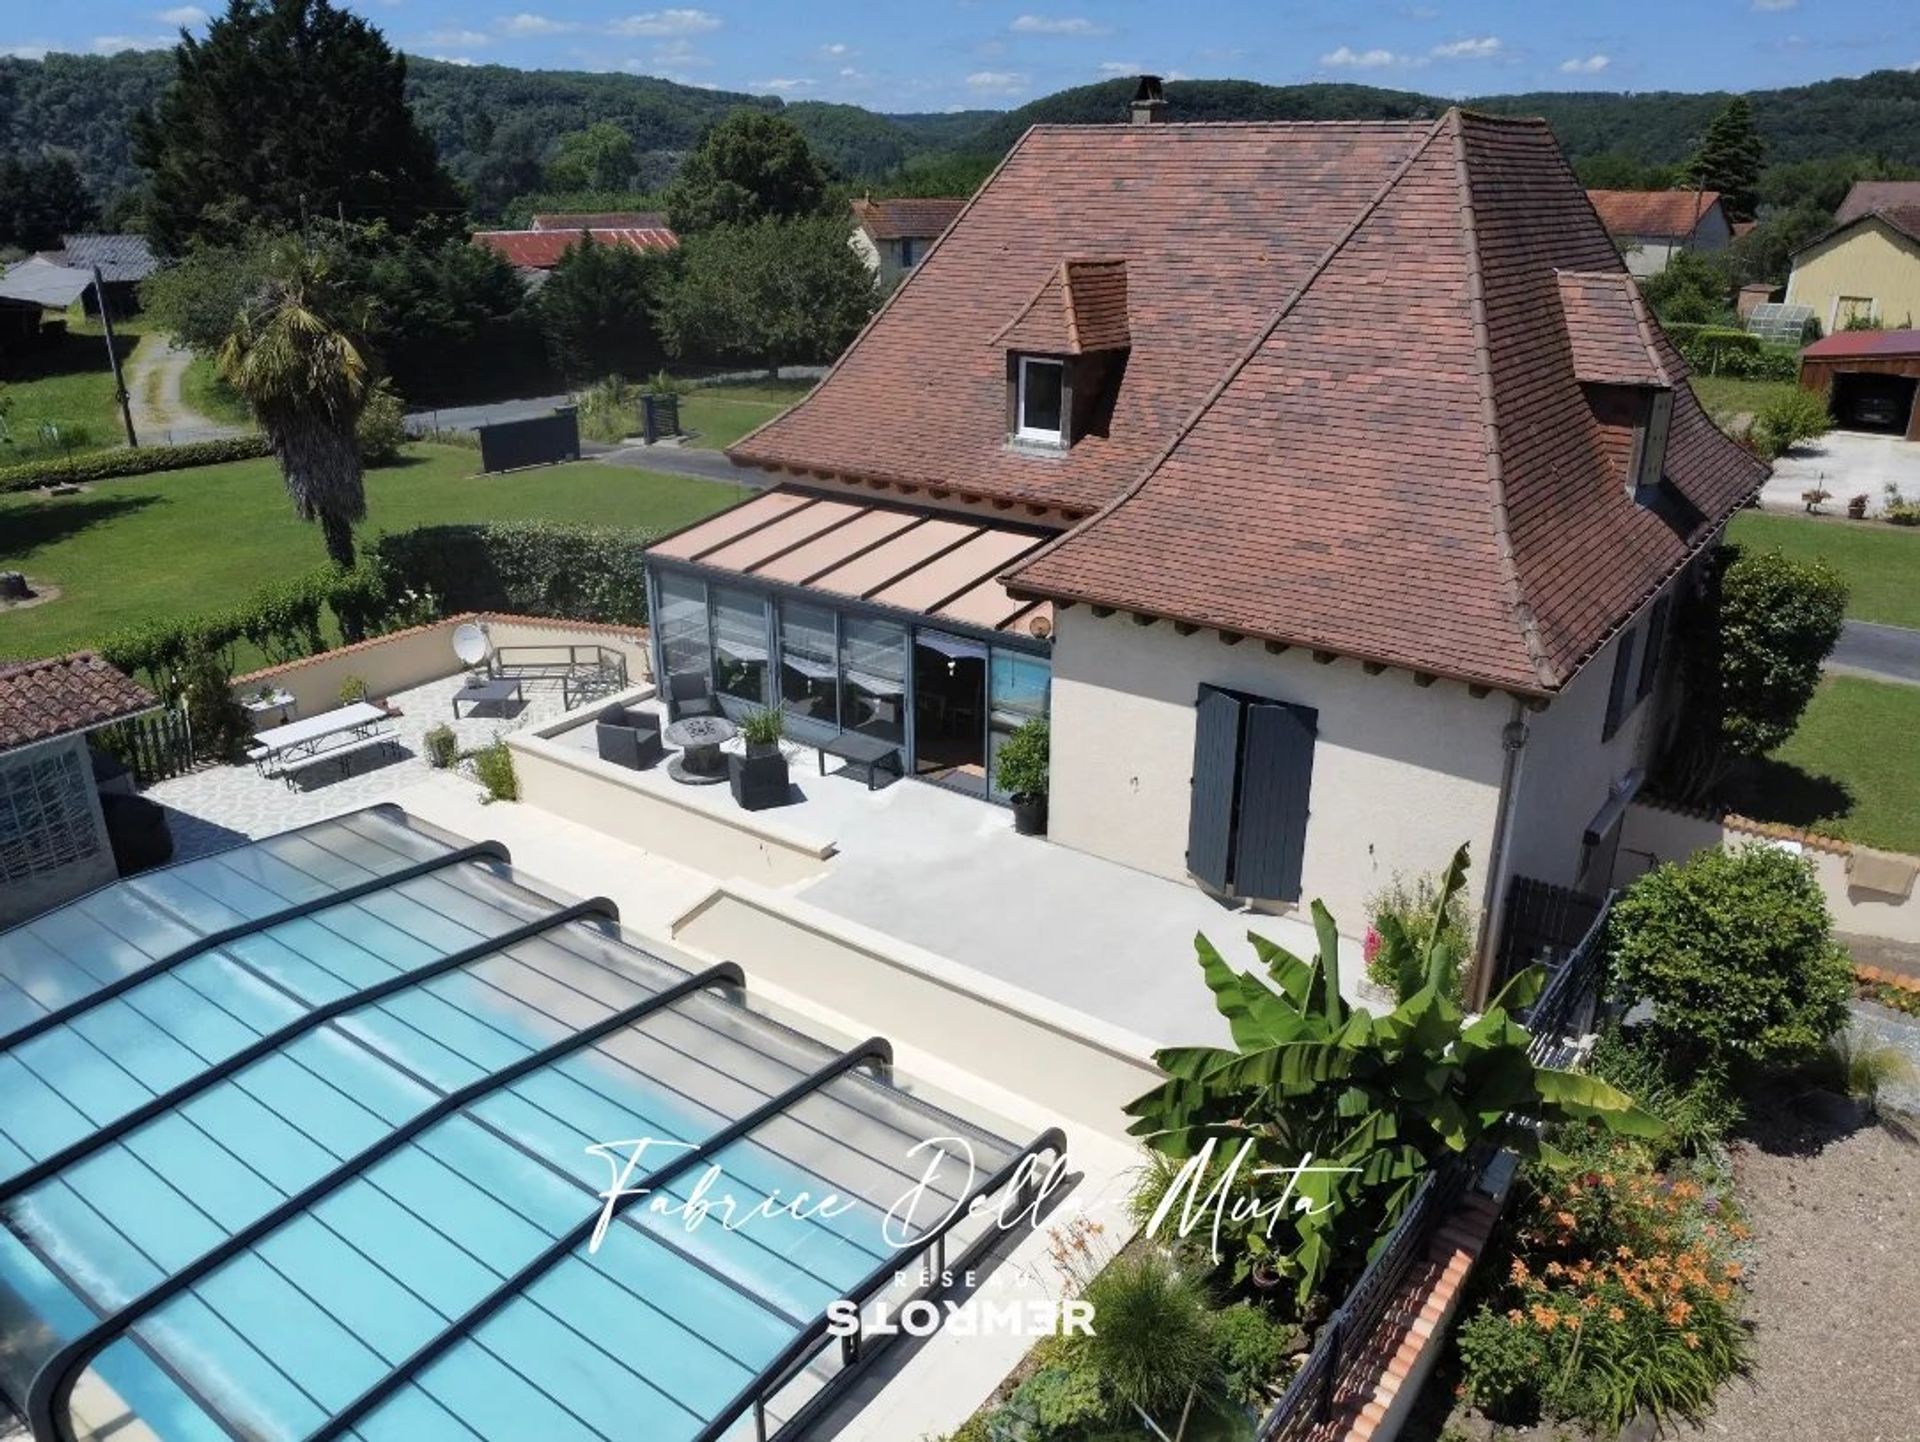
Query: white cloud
[1057, 25]
[1487, 47]
[678, 53]
[454, 59]
[1586, 65]
[783, 85]
[526, 24]
[666, 22]
[456, 39]
[1120, 67]
[183, 15]
[1768, 7]
[836, 48]
[848, 72]
[1347, 58]
[998, 82]
[114, 44]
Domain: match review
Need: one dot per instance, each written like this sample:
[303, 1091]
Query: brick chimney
[1149, 104]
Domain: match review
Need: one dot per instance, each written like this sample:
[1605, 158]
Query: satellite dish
[470, 643]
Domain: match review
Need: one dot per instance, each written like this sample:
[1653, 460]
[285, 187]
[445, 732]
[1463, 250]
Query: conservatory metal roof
[297, 1142]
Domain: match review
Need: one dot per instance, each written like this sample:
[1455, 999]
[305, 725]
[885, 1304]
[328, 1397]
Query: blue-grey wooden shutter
[1276, 774]
[1216, 765]
[1617, 707]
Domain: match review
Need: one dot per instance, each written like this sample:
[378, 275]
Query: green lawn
[1723, 397]
[183, 542]
[1880, 562]
[68, 386]
[1851, 770]
[206, 394]
[720, 415]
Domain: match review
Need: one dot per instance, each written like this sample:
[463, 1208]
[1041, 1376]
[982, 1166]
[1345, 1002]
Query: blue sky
[947, 54]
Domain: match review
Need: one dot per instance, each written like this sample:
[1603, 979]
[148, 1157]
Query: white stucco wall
[1402, 774]
[1567, 772]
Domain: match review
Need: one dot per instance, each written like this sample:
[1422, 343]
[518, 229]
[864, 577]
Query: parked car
[1877, 411]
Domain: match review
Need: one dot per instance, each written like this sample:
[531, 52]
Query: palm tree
[292, 357]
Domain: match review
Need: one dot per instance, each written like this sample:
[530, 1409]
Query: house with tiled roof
[536, 252]
[1866, 269]
[1653, 226]
[53, 834]
[893, 235]
[1329, 486]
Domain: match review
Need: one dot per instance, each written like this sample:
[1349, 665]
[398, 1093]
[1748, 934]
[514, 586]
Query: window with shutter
[1252, 772]
[1617, 707]
[1656, 646]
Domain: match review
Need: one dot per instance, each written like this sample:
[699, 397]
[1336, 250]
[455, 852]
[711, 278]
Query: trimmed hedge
[109, 465]
[1722, 351]
[533, 568]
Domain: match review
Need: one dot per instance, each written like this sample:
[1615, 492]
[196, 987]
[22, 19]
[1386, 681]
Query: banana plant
[1370, 1103]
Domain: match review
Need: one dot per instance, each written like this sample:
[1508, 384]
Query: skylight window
[1039, 410]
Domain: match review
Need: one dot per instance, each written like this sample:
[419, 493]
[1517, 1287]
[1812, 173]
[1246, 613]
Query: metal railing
[1310, 1399]
[855, 1349]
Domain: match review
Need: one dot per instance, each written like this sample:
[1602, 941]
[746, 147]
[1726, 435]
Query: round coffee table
[699, 762]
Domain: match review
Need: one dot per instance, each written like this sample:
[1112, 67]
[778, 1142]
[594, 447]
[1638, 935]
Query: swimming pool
[294, 1144]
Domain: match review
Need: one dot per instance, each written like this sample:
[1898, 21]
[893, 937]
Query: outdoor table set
[287, 751]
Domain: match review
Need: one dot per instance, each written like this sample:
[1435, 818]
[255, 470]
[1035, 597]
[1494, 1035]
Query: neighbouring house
[53, 835]
[577, 220]
[122, 260]
[1869, 378]
[892, 236]
[534, 253]
[1652, 226]
[1325, 550]
[1866, 270]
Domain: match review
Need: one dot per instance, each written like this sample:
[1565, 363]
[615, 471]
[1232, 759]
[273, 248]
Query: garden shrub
[1022, 764]
[382, 427]
[352, 689]
[1734, 953]
[493, 765]
[107, 465]
[610, 409]
[534, 568]
[1152, 1342]
[1620, 1298]
[1249, 1345]
[1789, 419]
[1696, 1103]
[1414, 904]
[204, 685]
[443, 748]
[1066, 1394]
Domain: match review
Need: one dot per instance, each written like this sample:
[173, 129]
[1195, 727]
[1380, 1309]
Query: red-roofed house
[53, 838]
[1327, 549]
[892, 236]
[1652, 226]
[538, 251]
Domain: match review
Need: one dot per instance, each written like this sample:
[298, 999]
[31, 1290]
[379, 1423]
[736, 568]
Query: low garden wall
[1652, 833]
[402, 659]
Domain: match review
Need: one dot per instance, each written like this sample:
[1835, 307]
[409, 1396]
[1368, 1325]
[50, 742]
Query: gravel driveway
[1836, 1286]
[1847, 463]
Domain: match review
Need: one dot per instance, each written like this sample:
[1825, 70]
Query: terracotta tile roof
[1867, 196]
[1405, 467]
[916, 218]
[542, 249]
[1858, 344]
[1609, 330]
[1350, 418]
[1210, 255]
[40, 700]
[1080, 307]
[578, 221]
[1665, 213]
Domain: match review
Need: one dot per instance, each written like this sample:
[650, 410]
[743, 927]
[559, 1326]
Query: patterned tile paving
[220, 805]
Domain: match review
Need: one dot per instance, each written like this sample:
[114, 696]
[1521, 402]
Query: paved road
[466, 418]
[1885, 653]
[683, 461]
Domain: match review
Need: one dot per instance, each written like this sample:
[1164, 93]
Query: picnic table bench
[861, 750]
[338, 751]
[285, 751]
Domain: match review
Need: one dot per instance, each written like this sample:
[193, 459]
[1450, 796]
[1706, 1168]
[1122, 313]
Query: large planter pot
[1030, 815]
[763, 748]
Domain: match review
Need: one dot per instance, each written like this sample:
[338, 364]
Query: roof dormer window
[1039, 414]
[1650, 444]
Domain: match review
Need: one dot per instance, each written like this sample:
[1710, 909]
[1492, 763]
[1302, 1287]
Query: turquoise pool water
[649, 1337]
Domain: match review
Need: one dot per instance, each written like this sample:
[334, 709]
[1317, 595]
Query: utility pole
[113, 359]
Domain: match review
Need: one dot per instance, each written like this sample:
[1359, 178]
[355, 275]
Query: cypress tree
[1729, 158]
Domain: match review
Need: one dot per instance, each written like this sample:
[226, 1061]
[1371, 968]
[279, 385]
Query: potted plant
[1021, 767]
[762, 731]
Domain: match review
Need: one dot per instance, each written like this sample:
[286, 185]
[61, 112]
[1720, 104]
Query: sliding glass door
[873, 678]
[739, 650]
[950, 710]
[1017, 693]
[809, 678]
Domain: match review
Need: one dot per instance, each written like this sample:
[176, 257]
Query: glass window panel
[1019, 686]
[1040, 391]
[740, 647]
[873, 686]
[809, 678]
[684, 640]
